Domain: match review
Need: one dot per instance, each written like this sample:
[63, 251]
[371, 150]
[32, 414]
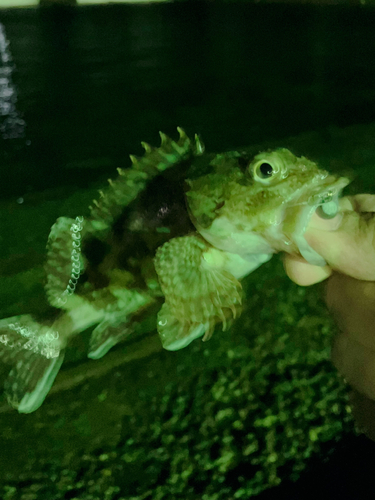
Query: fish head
[262, 204]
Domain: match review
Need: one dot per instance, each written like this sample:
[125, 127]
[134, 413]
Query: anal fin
[105, 336]
[118, 325]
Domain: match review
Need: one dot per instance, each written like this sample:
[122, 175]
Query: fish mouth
[324, 196]
[327, 189]
[320, 191]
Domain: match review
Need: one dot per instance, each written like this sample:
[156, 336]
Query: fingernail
[317, 222]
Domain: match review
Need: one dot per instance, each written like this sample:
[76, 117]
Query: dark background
[93, 82]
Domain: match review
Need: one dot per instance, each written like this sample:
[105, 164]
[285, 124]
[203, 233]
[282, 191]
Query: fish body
[173, 235]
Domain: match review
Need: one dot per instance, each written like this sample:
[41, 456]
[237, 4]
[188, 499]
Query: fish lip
[298, 212]
[328, 189]
[319, 190]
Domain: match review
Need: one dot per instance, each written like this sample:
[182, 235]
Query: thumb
[347, 242]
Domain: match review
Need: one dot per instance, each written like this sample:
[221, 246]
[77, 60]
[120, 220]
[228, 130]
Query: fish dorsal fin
[130, 182]
[64, 263]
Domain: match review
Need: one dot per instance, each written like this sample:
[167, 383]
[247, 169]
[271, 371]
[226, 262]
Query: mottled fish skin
[100, 270]
[173, 235]
[245, 209]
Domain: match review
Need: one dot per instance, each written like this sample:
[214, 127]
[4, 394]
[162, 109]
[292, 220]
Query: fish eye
[265, 170]
[271, 167]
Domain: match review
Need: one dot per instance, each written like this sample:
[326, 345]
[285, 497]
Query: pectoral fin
[199, 291]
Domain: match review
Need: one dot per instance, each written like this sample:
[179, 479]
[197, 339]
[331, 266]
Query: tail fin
[34, 351]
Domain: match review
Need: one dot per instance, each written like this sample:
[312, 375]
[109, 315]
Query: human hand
[347, 243]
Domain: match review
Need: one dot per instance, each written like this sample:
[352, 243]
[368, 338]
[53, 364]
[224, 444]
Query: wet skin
[348, 245]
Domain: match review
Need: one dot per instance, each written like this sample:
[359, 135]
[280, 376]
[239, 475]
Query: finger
[352, 304]
[348, 247]
[362, 202]
[298, 269]
[303, 273]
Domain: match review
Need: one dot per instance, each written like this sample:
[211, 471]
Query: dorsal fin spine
[132, 181]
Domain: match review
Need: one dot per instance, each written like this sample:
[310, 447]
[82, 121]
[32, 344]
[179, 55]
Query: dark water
[93, 82]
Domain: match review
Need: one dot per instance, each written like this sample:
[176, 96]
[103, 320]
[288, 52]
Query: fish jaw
[298, 213]
[287, 226]
[224, 235]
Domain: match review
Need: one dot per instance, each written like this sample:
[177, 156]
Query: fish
[169, 239]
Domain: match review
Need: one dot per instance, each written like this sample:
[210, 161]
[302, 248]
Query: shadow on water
[91, 83]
